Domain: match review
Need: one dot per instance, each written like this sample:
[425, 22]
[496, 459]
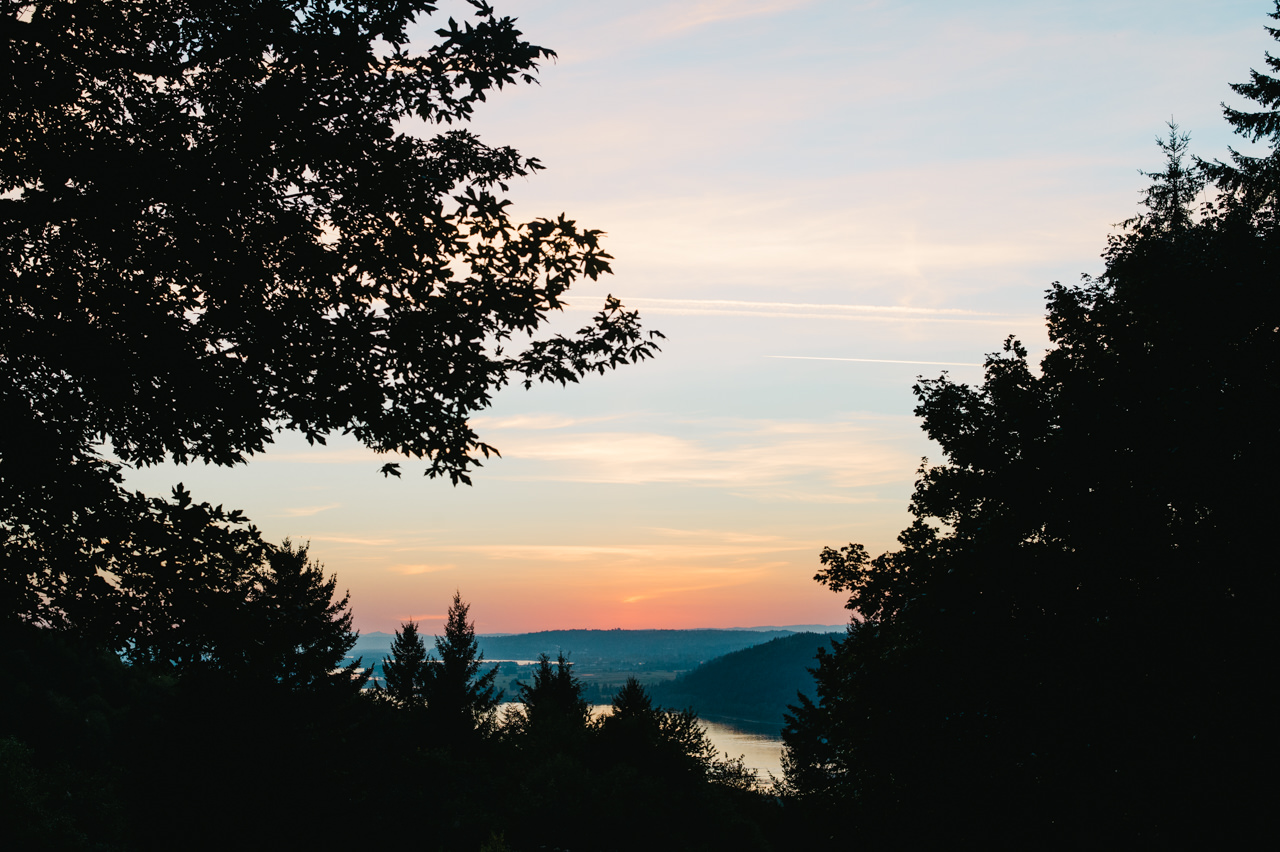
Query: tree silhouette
[216, 226]
[461, 699]
[303, 633]
[1024, 645]
[172, 585]
[553, 708]
[666, 744]
[406, 668]
[1254, 182]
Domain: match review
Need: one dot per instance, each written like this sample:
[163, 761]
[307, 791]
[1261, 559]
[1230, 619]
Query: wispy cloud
[680, 590]
[646, 588]
[737, 304]
[681, 17]
[767, 455]
[733, 536]
[539, 421]
[646, 554]
[307, 511]
[589, 36]
[370, 542]
[326, 455]
[420, 568]
[777, 495]
[803, 310]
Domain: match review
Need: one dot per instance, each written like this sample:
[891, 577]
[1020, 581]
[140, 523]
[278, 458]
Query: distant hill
[753, 685]
[675, 649]
[375, 640]
[668, 648]
[800, 628]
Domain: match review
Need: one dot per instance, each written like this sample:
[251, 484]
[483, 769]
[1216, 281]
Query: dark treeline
[99, 754]
[212, 230]
[1072, 645]
[755, 685]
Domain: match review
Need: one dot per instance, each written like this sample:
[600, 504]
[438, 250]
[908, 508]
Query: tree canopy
[222, 221]
[1072, 623]
[460, 696]
[217, 223]
[404, 670]
[301, 630]
[552, 707]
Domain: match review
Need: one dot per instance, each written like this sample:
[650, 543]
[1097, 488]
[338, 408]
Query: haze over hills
[681, 649]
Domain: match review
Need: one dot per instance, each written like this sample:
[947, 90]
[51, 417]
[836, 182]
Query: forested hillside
[664, 648]
[754, 685]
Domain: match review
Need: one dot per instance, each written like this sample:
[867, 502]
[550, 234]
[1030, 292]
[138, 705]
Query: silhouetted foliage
[1253, 182]
[147, 758]
[67, 715]
[302, 633]
[214, 226]
[642, 777]
[214, 223]
[404, 670]
[663, 743]
[552, 709]
[1027, 644]
[172, 579]
[460, 697]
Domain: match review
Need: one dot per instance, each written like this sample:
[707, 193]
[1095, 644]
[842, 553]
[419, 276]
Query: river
[760, 752]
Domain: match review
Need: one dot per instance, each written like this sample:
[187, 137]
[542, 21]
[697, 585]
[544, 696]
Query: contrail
[875, 361]
[746, 305]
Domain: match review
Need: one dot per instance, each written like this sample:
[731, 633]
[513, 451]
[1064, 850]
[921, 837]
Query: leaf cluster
[219, 220]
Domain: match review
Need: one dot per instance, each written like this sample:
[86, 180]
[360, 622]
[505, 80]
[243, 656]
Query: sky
[816, 202]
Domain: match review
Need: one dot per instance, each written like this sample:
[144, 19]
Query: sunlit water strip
[760, 753]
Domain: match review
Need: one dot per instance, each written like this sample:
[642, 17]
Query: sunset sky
[816, 202]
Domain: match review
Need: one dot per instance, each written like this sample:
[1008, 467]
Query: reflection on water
[761, 752]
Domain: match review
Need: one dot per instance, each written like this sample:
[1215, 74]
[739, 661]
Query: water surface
[759, 746]
[760, 752]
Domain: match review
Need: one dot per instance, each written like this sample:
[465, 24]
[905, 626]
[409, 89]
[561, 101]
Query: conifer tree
[670, 744]
[406, 668]
[553, 706]
[460, 698]
[304, 630]
[632, 703]
[1255, 180]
